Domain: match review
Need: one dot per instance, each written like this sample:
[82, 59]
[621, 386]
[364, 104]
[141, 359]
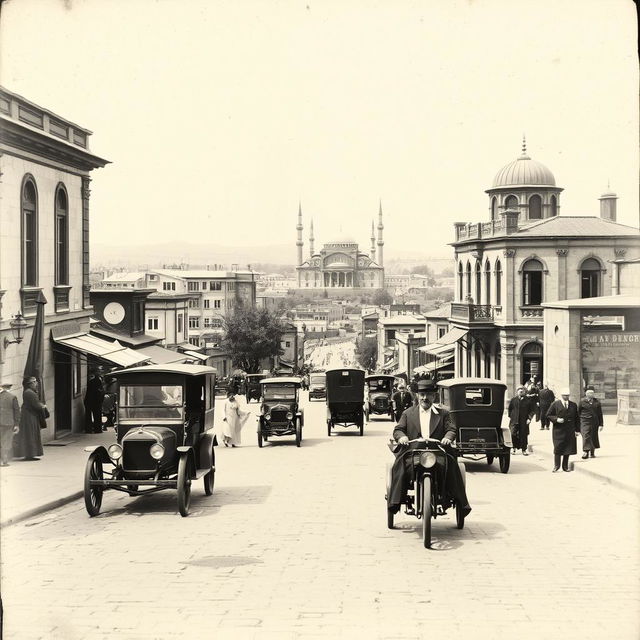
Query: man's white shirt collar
[431, 408]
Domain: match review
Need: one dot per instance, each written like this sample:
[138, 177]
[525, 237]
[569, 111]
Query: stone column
[561, 267]
[511, 299]
[509, 366]
[86, 285]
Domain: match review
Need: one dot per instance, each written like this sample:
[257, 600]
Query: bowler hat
[426, 385]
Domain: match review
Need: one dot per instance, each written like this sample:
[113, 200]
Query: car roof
[183, 369]
[454, 382]
[379, 375]
[344, 369]
[287, 380]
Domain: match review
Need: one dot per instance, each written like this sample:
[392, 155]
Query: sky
[219, 118]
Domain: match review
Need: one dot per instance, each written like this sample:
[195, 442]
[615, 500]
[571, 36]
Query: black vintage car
[378, 392]
[317, 385]
[476, 406]
[345, 399]
[252, 386]
[165, 436]
[280, 413]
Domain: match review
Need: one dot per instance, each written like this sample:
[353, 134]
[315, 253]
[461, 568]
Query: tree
[423, 270]
[251, 335]
[368, 353]
[381, 297]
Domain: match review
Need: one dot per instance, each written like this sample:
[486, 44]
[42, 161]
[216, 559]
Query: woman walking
[590, 412]
[564, 415]
[233, 421]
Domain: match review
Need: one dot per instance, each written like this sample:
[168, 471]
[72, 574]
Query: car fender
[206, 455]
[101, 451]
[190, 453]
[506, 437]
[300, 414]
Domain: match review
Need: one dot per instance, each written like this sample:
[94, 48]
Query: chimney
[608, 202]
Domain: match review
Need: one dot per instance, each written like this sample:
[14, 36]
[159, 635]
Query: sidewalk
[30, 488]
[617, 461]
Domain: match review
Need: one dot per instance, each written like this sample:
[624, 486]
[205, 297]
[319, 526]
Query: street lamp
[18, 325]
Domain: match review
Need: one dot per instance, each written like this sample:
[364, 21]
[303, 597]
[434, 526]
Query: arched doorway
[531, 360]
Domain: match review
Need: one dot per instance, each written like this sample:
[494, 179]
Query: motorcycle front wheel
[426, 512]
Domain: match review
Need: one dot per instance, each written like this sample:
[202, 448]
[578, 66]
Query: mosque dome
[524, 172]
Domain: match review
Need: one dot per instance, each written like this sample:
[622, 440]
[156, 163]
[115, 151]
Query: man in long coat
[545, 398]
[401, 400]
[564, 415]
[520, 412]
[424, 420]
[590, 414]
[28, 443]
[532, 391]
[9, 422]
[93, 399]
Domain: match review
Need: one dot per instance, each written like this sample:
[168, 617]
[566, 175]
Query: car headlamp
[289, 415]
[267, 416]
[156, 450]
[115, 451]
[427, 459]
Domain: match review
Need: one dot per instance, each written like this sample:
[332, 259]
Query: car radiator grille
[279, 416]
[136, 456]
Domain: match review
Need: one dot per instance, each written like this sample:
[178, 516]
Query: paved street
[332, 353]
[294, 543]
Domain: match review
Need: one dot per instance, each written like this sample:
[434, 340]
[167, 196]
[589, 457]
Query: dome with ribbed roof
[524, 172]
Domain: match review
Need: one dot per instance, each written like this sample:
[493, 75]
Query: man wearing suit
[9, 422]
[401, 400]
[564, 415]
[520, 413]
[424, 420]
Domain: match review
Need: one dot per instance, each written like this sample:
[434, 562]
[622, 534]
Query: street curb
[594, 474]
[43, 508]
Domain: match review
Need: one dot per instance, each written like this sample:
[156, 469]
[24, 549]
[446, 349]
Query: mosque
[340, 268]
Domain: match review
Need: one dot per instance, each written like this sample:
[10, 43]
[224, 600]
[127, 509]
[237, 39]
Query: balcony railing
[477, 230]
[480, 313]
[534, 313]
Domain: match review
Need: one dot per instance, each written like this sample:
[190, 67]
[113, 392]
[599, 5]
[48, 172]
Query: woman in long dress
[234, 420]
[27, 443]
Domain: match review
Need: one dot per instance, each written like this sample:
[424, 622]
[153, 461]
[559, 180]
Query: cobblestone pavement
[294, 544]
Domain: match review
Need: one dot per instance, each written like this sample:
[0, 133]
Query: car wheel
[390, 516]
[459, 513]
[209, 478]
[184, 486]
[505, 461]
[361, 425]
[132, 487]
[426, 512]
[260, 438]
[329, 425]
[489, 458]
[93, 495]
[298, 433]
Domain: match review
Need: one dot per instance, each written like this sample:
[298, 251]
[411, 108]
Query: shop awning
[111, 351]
[445, 343]
[198, 356]
[160, 355]
[284, 364]
[441, 363]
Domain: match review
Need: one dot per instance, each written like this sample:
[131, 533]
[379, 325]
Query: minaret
[372, 253]
[380, 240]
[608, 202]
[299, 243]
[311, 239]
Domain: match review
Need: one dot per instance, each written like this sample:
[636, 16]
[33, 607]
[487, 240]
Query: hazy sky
[219, 116]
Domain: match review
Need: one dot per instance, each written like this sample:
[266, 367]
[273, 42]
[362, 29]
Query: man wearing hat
[424, 420]
[9, 421]
[93, 399]
[520, 412]
[590, 413]
[564, 415]
[401, 400]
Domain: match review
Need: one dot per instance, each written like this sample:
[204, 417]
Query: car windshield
[379, 384]
[317, 379]
[280, 392]
[151, 401]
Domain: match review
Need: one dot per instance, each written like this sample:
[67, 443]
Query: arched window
[532, 271]
[498, 282]
[62, 237]
[590, 279]
[487, 282]
[468, 278]
[554, 206]
[535, 207]
[531, 357]
[478, 299]
[29, 234]
[511, 203]
[498, 359]
[460, 283]
[494, 208]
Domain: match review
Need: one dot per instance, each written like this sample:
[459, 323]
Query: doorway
[531, 358]
[62, 391]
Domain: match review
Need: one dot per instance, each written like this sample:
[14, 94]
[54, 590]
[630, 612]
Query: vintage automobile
[280, 413]
[378, 392]
[427, 498]
[252, 386]
[476, 406]
[317, 385]
[165, 436]
[345, 399]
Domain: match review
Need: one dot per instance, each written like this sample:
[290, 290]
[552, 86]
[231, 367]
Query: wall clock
[114, 313]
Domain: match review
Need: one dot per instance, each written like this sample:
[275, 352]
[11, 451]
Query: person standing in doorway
[28, 442]
[9, 422]
[590, 414]
[520, 413]
[564, 415]
[545, 399]
[93, 399]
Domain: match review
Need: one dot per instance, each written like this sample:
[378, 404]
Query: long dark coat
[590, 414]
[27, 442]
[564, 433]
[545, 398]
[519, 412]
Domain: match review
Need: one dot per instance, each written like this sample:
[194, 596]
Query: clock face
[114, 313]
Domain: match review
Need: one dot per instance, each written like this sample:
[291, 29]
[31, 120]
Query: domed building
[340, 268]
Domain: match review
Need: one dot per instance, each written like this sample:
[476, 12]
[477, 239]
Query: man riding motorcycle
[424, 420]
